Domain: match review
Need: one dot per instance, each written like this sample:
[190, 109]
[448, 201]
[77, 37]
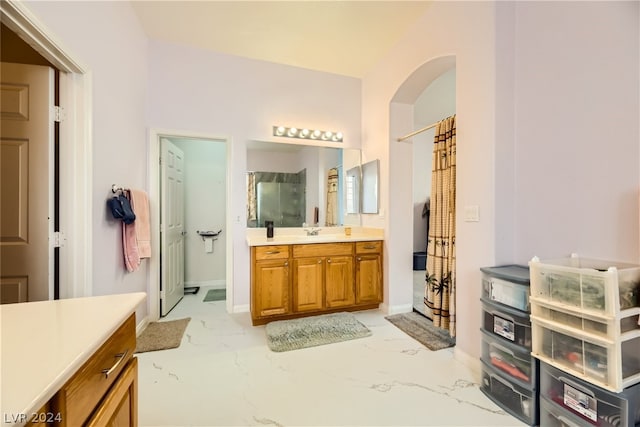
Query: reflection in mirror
[294, 184]
[352, 190]
[370, 187]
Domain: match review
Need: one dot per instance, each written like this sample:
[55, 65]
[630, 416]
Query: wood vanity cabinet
[325, 277]
[104, 391]
[368, 272]
[270, 281]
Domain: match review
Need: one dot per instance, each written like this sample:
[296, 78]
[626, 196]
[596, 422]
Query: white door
[171, 226]
[26, 189]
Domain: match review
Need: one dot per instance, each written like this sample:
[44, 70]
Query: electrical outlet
[472, 213]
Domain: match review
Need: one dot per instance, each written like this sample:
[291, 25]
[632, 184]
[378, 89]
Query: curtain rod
[402, 138]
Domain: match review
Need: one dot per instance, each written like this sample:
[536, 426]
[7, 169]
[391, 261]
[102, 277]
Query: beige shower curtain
[332, 197]
[440, 292]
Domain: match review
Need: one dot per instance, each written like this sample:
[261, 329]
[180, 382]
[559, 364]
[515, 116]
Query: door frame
[153, 287]
[76, 213]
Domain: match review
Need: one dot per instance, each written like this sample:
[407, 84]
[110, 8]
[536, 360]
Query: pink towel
[140, 206]
[129, 243]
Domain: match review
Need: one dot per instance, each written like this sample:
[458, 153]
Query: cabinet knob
[329, 260]
[319, 261]
[359, 258]
[286, 263]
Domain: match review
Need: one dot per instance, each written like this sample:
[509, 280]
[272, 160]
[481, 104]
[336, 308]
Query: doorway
[206, 246]
[74, 183]
[436, 102]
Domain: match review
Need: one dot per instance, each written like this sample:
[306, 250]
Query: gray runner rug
[285, 335]
[422, 330]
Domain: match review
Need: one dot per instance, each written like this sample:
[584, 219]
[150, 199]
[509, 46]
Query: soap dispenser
[269, 225]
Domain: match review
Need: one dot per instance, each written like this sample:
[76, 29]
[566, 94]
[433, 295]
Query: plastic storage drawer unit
[519, 401]
[508, 323]
[508, 285]
[604, 326]
[605, 362]
[514, 361]
[594, 286]
[570, 398]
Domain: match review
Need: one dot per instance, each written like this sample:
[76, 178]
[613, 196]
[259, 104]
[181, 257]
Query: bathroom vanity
[70, 362]
[297, 275]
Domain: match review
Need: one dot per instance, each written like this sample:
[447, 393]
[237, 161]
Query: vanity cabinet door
[368, 279]
[271, 288]
[339, 281]
[308, 284]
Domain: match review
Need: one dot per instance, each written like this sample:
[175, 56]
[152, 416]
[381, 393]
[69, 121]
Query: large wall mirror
[370, 171]
[293, 184]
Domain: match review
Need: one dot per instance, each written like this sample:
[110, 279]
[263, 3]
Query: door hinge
[59, 114]
[160, 160]
[59, 239]
[162, 295]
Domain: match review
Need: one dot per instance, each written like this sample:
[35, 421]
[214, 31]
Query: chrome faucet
[313, 231]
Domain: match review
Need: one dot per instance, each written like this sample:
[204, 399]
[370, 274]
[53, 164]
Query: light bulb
[316, 134]
[304, 133]
[280, 131]
[327, 135]
[338, 136]
[292, 132]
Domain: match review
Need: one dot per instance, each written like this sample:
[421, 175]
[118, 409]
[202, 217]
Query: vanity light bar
[322, 135]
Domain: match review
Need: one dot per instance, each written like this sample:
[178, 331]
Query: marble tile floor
[223, 374]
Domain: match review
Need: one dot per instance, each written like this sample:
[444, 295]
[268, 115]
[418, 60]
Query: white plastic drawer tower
[584, 317]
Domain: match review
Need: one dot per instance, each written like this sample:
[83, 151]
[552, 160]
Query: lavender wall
[577, 129]
[107, 39]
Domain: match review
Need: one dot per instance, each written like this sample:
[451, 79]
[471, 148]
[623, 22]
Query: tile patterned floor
[223, 374]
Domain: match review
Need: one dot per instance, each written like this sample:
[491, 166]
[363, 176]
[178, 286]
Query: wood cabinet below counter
[297, 280]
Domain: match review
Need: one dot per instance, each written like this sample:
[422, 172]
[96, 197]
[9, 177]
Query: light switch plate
[472, 213]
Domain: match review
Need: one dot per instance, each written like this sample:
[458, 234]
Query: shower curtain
[332, 197]
[440, 290]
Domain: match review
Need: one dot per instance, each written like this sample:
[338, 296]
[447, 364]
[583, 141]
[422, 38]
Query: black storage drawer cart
[510, 375]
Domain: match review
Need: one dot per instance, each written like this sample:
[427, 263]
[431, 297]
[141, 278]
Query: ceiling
[341, 37]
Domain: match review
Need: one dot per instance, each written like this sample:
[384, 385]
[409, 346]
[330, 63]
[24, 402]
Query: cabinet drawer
[369, 247]
[272, 252]
[322, 249]
[77, 399]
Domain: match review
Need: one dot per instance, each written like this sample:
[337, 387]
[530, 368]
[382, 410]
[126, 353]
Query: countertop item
[297, 236]
[44, 343]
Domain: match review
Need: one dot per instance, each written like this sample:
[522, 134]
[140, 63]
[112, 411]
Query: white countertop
[44, 343]
[297, 236]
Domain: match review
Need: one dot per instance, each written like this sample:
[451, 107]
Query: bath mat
[215, 295]
[421, 329]
[162, 335]
[285, 335]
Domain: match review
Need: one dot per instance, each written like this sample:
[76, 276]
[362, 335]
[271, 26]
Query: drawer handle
[370, 247]
[120, 357]
[272, 252]
[566, 422]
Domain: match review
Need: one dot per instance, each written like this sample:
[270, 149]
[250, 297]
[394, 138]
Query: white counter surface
[44, 343]
[297, 236]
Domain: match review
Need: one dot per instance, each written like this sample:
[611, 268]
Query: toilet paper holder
[209, 234]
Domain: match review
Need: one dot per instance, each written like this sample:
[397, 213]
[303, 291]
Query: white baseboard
[396, 309]
[143, 324]
[472, 362]
[215, 284]
[241, 308]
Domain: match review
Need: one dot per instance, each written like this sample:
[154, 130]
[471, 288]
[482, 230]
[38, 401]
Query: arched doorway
[426, 97]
